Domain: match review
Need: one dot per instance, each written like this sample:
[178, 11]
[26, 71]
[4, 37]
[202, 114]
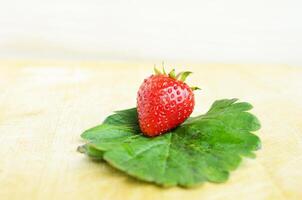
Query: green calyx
[195, 88]
[181, 76]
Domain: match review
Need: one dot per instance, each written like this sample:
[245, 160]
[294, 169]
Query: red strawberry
[164, 102]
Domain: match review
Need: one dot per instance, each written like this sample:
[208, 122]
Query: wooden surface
[45, 106]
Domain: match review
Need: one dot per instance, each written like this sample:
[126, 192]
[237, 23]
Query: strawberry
[163, 102]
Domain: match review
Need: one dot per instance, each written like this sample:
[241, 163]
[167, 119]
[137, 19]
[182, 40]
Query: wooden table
[46, 105]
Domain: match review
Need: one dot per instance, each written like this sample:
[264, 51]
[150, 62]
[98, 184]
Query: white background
[267, 31]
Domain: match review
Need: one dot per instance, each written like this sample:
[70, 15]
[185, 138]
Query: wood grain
[45, 106]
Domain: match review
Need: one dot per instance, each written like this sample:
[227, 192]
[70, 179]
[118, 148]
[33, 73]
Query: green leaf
[203, 148]
[91, 151]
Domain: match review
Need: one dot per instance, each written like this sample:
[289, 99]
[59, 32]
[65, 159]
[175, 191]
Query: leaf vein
[142, 151]
[167, 154]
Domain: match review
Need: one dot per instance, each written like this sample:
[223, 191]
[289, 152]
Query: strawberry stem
[182, 76]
